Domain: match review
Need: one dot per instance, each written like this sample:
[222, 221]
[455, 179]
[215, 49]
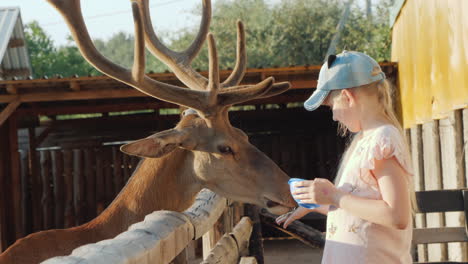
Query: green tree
[47, 60]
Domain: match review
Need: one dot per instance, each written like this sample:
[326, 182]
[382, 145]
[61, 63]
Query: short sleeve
[386, 142]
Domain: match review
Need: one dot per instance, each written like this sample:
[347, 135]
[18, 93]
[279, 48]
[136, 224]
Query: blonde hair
[384, 92]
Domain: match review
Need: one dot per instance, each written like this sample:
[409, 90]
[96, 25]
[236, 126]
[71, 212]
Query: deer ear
[157, 145]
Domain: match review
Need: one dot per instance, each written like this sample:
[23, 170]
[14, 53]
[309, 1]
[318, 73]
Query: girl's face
[344, 108]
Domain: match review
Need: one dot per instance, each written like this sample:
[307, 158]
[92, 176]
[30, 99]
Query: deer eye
[225, 150]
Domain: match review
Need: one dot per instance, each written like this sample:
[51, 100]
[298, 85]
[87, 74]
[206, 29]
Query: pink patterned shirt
[351, 239]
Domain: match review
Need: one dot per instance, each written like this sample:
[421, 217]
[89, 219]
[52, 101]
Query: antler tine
[179, 62]
[241, 59]
[239, 94]
[213, 84]
[71, 11]
[138, 70]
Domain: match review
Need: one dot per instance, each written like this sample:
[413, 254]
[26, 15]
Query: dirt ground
[285, 252]
[290, 251]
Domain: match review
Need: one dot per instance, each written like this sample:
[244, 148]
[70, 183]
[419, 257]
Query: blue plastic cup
[292, 188]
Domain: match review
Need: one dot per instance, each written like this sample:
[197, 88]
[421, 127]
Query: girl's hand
[318, 191]
[290, 217]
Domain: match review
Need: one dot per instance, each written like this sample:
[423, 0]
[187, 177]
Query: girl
[369, 207]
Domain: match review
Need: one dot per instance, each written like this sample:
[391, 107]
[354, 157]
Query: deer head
[222, 157]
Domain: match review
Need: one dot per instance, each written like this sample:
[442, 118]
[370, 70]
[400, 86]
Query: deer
[202, 151]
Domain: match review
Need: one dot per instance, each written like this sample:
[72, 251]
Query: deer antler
[205, 96]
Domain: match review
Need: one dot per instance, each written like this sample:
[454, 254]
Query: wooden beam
[16, 72]
[8, 111]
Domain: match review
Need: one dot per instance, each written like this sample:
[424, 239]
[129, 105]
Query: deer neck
[166, 183]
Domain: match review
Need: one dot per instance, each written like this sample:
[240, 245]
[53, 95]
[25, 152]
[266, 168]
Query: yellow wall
[430, 44]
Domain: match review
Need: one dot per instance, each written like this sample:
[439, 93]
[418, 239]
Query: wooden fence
[440, 162]
[65, 188]
[163, 235]
[62, 188]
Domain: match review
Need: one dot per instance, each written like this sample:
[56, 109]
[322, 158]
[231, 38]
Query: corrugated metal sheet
[430, 44]
[11, 27]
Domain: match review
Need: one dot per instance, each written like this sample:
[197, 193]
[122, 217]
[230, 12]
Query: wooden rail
[157, 239]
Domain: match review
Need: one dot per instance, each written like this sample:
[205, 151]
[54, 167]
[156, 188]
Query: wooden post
[416, 155]
[100, 191]
[59, 186]
[432, 181]
[256, 243]
[5, 200]
[15, 176]
[46, 200]
[68, 179]
[35, 180]
[453, 173]
[90, 175]
[78, 187]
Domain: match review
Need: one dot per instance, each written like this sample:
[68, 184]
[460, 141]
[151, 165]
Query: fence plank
[59, 188]
[433, 181]
[453, 173]
[35, 180]
[108, 179]
[256, 242]
[118, 175]
[418, 167]
[232, 245]
[100, 190]
[25, 194]
[90, 177]
[15, 175]
[68, 180]
[46, 200]
[78, 187]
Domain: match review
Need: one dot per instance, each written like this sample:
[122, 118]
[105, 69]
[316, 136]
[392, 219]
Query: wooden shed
[430, 45]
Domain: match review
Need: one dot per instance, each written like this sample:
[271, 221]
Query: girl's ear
[349, 97]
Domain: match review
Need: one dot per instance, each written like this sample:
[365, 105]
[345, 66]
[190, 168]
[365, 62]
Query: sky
[107, 17]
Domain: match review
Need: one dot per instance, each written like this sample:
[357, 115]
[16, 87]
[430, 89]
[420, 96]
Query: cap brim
[316, 99]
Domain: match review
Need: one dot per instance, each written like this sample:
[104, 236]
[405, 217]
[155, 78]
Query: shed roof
[14, 58]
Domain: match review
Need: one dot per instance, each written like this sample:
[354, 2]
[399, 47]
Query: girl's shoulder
[384, 142]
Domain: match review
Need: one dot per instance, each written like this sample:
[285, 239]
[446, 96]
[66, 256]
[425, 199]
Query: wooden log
[36, 187]
[68, 180]
[432, 171]
[157, 239]
[59, 188]
[225, 251]
[46, 200]
[453, 173]
[100, 190]
[304, 233]
[418, 178]
[90, 177]
[256, 243]
[78, 187]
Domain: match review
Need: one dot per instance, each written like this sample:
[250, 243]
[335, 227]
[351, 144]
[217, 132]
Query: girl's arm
[393, 210]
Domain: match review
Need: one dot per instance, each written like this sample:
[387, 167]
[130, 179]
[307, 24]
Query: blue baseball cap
[345, 70]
